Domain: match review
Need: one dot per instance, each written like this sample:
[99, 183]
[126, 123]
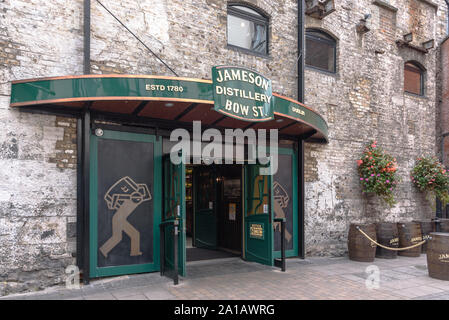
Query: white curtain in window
[258, 37]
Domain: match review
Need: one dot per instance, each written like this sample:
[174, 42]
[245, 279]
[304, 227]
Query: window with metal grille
[247, 29]
[413, 78]
[321, 50]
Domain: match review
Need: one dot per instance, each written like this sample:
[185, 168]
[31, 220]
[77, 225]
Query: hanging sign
[242, 94]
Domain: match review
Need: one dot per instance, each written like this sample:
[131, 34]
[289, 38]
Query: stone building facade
[364, 100]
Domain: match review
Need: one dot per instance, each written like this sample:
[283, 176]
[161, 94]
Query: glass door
[205, 214]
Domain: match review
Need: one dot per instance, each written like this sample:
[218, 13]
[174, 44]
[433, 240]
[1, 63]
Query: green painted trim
[180, 192]
[157, 205]
[182, 237]
[93, 206]
[122, 87]
[296, 111]
[258, 218]
[92, 88]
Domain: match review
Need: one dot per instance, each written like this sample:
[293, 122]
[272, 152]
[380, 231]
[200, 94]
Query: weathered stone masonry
[364, 100]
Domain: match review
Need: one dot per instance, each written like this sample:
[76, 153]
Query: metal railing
[280, 263]
[169, 227]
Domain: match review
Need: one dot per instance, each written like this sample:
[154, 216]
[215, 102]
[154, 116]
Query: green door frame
[265, 220]
[157, 204]
[294, 251]
[181, 193]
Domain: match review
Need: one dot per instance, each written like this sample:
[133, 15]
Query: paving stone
[135, 297]
[100, 296]
[123, 293]
[241, 280]
[158, 294]
[421, 291]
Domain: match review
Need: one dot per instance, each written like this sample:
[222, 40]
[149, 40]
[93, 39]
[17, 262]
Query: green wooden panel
[175, 208]
[258, 216]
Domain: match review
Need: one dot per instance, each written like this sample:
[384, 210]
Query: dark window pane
[320, 54]
[413, 79]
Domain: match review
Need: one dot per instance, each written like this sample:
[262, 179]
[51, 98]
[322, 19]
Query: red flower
[359, 162]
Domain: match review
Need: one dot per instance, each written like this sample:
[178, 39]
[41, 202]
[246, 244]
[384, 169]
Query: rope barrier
[389, 248]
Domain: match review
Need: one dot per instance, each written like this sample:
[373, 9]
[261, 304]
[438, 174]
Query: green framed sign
[242, 93]
[125, 203]
[257, 231]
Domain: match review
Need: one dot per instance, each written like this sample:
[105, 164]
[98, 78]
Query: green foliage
[429, 176]
[377, 171]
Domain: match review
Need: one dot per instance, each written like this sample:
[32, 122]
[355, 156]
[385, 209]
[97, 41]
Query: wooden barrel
[409, 234]
[359, 247]
[387, 234]
[427, 226]
[438, 255]
[442, 225]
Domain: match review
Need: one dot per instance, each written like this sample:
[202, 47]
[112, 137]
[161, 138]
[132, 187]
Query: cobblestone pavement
[313, 278]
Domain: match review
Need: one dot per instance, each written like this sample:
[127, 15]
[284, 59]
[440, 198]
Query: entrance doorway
[149, 214]
[214, 211]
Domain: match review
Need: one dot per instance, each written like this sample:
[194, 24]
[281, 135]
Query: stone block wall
[364, 100]
[37, 168]
[443, 123]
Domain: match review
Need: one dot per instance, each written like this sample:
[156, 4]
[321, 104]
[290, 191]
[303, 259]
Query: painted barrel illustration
[427, 226]
[359, 247]
[409, 234]
[387, 234]
[438, 255]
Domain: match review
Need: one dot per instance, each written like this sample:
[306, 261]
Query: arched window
[247, 29]
[321, 50]
[413, 78]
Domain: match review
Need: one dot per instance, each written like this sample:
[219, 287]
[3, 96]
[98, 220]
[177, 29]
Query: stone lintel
[385, 5]
[430, 3]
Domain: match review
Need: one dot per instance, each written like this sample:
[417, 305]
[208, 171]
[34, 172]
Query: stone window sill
[414, 95]
[328, 73]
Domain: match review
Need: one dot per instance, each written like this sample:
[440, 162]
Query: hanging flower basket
[429, 176]
[377, 173]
